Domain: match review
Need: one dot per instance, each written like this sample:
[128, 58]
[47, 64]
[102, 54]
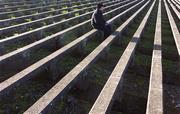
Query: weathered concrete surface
[155, 97]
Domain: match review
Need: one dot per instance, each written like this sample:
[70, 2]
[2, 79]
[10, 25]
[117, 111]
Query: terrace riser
[40, 9]
[47, 29]
[60, 38]
[25, 6]
[98, 55]
[43, 15]
[51, 20]
[123, 86]
[16, 3]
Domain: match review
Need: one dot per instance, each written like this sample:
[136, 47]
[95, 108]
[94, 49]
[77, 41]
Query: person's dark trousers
[107, 29]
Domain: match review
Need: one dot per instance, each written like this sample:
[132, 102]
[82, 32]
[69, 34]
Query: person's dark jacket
[97, 20]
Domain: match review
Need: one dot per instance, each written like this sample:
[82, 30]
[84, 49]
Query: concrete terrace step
[118, 70]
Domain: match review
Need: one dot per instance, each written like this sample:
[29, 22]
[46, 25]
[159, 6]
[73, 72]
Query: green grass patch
[25, 96]
[52, 9]
[75, 9]
[65, 7]
[69, 62]
[99, 74]
[39, 55]
[28, 20]
[76, 14]
[14, 46]
[64, 11]
[141, 59]
[91, 46]
[69, 37]
[146, 44]
[12, 16]
[169, 66]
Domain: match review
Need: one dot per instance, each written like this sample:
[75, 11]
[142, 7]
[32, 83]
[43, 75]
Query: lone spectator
[98, 21]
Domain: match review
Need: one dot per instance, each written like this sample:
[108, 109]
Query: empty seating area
[52, 61]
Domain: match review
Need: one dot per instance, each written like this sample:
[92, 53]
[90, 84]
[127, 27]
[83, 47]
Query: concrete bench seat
[174, 28]
[21, 19]
[155, 95]
[40, 31]
[20, 28]
[26, 6]
[17, 7]
[176, 5]
[64, 85]
[113, 87]
[177, 1]
[55, 40]
[29, 72]
[3, 15]
[42, 50]
[174, 9]
[4, 4]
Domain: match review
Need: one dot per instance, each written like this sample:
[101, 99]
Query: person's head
[100, 6]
